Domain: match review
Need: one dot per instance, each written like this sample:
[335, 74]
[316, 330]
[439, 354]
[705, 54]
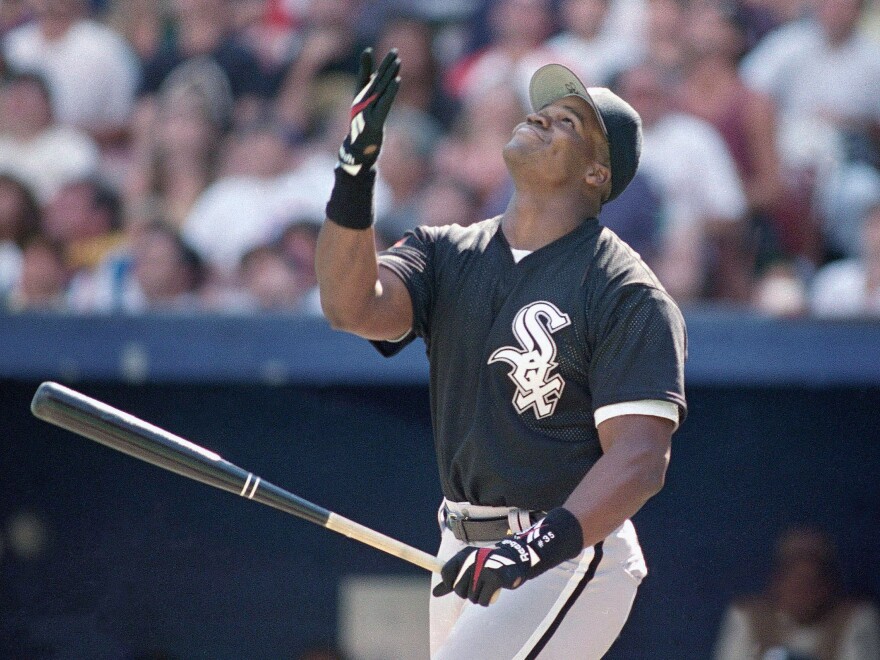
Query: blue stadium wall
[784, 427]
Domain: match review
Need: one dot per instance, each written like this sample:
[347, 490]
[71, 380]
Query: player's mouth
[529, 127]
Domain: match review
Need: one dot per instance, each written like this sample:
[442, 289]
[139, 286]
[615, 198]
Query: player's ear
[597, 176]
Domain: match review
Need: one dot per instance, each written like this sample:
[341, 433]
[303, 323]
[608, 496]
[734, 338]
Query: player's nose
[538, 118]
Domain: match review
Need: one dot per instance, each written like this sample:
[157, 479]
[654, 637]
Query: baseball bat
[102, 423]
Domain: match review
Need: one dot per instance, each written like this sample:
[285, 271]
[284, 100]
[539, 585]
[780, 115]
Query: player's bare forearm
[352, 296]
[630, 472]
[347, 271]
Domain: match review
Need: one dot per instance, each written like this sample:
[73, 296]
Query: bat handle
[387, 544]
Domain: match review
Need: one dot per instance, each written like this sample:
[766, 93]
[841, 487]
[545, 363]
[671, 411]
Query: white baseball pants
[575, 610]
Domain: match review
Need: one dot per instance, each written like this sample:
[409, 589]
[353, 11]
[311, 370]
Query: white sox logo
[532, 364]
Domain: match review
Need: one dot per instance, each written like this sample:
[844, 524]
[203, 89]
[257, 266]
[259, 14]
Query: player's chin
[521, 148]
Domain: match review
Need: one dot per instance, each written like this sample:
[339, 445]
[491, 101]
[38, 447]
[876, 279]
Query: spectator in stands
[421, 87]
[19, 222]
[326, 62]
[203, 36]
[242, 208]
[85, 217]
[144, 24]
[33, 147]
[519, 29]
[92, 72]
[804, 614]
[824, 75]
[712, 90]
[446, 202]
[298, 242]
[584, 40]
[166, 275]
[270, 30]
[701, 250]
[636, 215]
[270, 280]
[851, 287]
[409, 142]
[43, 279]
[664, 42]
[471, 152]
[175, 153]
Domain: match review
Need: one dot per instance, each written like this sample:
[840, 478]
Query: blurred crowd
[178, 154]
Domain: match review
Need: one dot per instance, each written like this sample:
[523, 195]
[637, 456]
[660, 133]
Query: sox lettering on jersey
[533, 363]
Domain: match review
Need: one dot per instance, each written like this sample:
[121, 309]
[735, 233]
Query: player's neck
[531, 222]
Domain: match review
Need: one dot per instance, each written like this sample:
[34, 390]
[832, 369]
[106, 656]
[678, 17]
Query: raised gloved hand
[478, 573]
[370, 107]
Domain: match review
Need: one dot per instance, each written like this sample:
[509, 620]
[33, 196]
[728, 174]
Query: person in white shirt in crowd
[263, 184]
[851, 287]
[823, 72]
[33, 146]
[92, 71]
[235, 213]
[702, 194]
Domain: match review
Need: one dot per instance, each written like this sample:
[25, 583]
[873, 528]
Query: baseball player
[556, 370]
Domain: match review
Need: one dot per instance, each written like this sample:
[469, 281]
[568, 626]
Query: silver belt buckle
[455, 522]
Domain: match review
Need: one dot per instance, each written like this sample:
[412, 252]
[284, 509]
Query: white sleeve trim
[653, 407]
[399, 339]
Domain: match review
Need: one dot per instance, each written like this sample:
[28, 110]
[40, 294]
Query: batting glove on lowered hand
[370, 107]
[478, 573]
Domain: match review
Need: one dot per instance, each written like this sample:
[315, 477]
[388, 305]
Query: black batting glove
[479, 573]
[369, 110]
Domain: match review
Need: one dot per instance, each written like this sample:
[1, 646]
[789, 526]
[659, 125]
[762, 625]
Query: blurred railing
[724, 348]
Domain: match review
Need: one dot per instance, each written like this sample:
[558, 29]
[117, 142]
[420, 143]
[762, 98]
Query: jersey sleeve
[639, 347]
[411, 259]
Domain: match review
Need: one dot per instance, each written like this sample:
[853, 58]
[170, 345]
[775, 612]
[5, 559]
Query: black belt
[477, 530]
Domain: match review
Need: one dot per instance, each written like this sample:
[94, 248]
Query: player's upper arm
[357, 295]
[643, 442]
[386, 315]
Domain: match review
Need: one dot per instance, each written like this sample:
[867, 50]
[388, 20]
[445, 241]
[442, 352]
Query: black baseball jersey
[522, 354]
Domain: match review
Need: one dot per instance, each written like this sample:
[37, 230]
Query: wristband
[351, 201]
[555, 538]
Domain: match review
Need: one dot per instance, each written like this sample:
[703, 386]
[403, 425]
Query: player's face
[562, 138]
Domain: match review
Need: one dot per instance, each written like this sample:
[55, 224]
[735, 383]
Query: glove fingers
[462, 587]
[387, 71]
[488, 594]
[383, 104]
[366, 69]
[442, 589]
[389, 61]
